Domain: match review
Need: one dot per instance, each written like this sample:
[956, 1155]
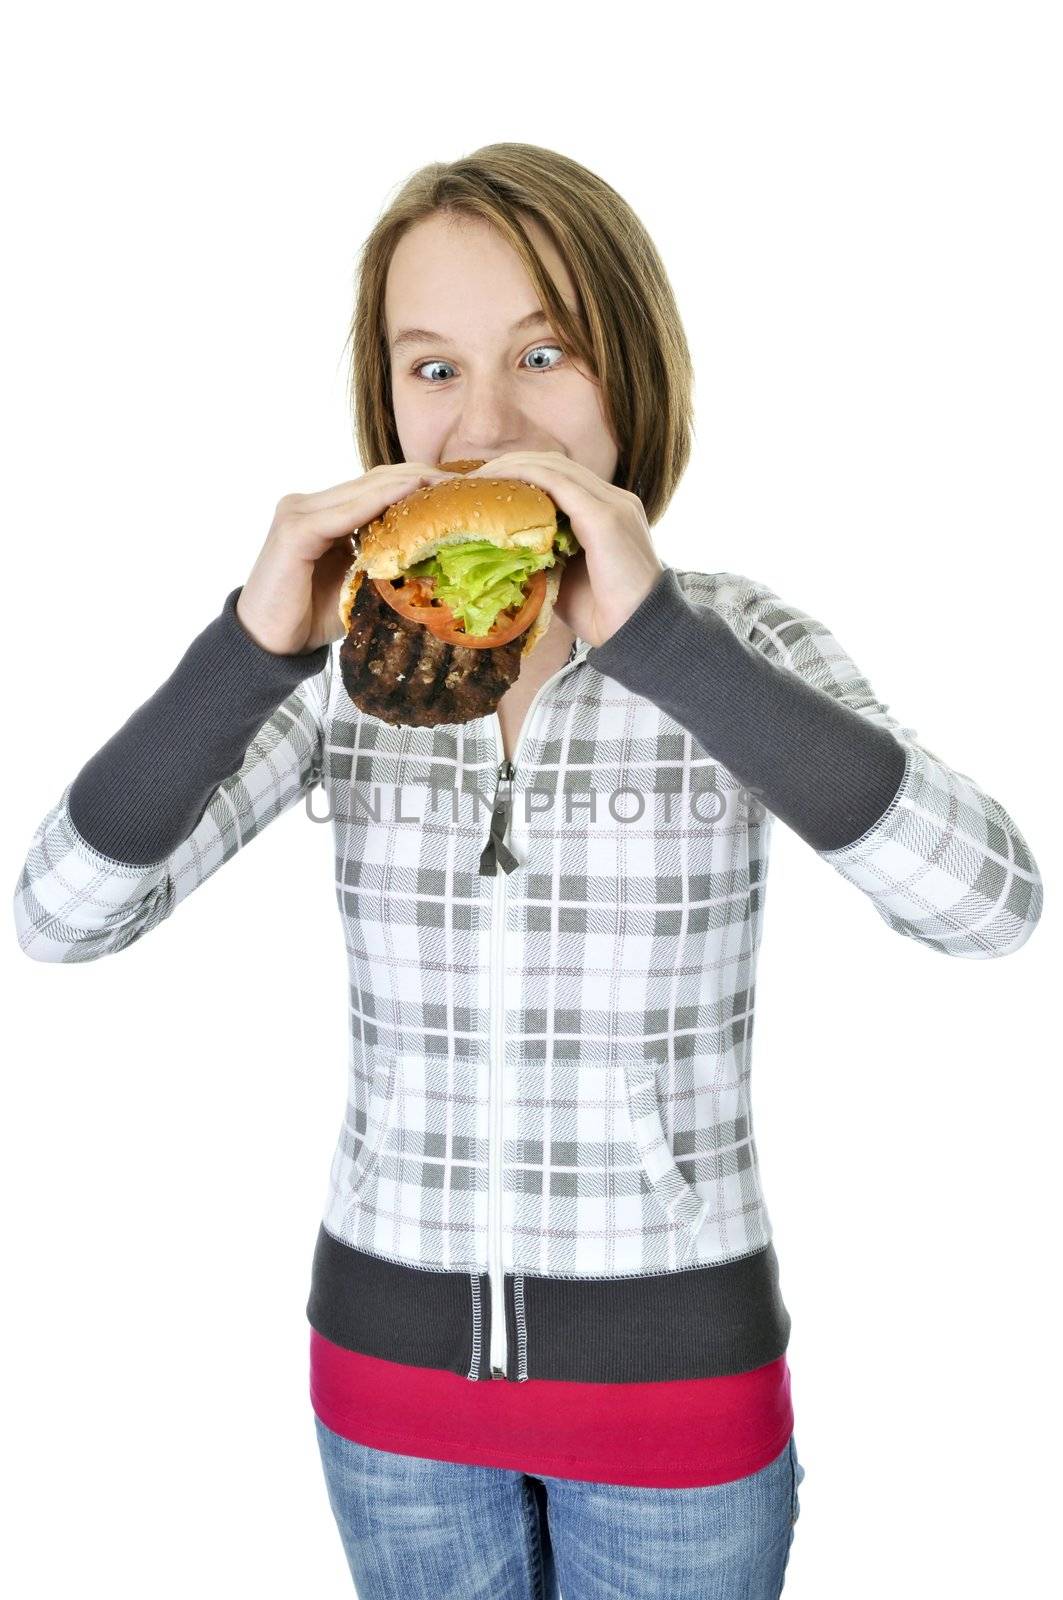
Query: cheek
[418, 425]
[575, 411]
[569, 400]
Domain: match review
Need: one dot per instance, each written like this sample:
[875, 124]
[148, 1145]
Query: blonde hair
[627, 335]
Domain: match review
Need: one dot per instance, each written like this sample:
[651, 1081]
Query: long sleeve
[230, 741]
[769, 691]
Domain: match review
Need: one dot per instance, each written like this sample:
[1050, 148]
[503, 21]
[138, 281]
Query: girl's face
[478, 385]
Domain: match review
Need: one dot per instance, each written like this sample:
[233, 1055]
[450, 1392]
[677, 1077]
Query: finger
[310, 533]
[399, 475]
[567, 484]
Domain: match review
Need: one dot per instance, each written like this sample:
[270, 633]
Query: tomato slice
[416, 600]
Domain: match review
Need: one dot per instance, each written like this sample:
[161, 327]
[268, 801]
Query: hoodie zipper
[495, 854]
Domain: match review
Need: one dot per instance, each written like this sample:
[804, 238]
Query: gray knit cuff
[145, 791]
[821, 766]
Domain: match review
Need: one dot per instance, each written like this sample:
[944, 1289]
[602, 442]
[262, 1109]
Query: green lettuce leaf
[477, 580]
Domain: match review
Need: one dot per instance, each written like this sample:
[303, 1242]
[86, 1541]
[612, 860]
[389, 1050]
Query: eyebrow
[423, 335]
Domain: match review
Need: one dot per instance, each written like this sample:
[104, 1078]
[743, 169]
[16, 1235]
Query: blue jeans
[414, 1528]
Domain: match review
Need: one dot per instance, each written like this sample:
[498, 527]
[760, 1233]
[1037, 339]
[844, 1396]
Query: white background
[859, 209]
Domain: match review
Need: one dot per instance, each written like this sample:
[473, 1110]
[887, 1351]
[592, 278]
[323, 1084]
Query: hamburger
[449, 590]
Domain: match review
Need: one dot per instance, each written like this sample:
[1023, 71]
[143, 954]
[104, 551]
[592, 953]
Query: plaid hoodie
[547, 1165]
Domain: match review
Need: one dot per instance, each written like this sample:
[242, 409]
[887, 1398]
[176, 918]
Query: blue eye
[416, 371]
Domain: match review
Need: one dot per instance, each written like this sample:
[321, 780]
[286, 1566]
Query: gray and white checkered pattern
[614, 968]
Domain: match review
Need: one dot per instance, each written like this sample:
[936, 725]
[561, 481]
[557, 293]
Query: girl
[548, 1342]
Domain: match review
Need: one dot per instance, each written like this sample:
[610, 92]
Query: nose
[492, 422]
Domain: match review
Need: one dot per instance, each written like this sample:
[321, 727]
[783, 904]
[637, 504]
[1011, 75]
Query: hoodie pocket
[368, 1119]
[680, 1199]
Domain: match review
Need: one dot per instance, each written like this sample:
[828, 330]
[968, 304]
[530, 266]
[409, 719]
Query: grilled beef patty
[394, 669]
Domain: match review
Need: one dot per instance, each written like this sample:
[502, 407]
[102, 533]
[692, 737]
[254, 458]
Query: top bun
[505, 511]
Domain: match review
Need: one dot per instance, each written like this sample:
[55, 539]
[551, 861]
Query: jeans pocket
[797, 1473]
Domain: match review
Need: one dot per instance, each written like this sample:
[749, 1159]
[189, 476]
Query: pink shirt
[682, 1434]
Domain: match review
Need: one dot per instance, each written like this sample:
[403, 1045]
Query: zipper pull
[496, 852]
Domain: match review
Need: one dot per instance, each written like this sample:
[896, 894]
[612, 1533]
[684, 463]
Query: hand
[290, 603]
[618, 566]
